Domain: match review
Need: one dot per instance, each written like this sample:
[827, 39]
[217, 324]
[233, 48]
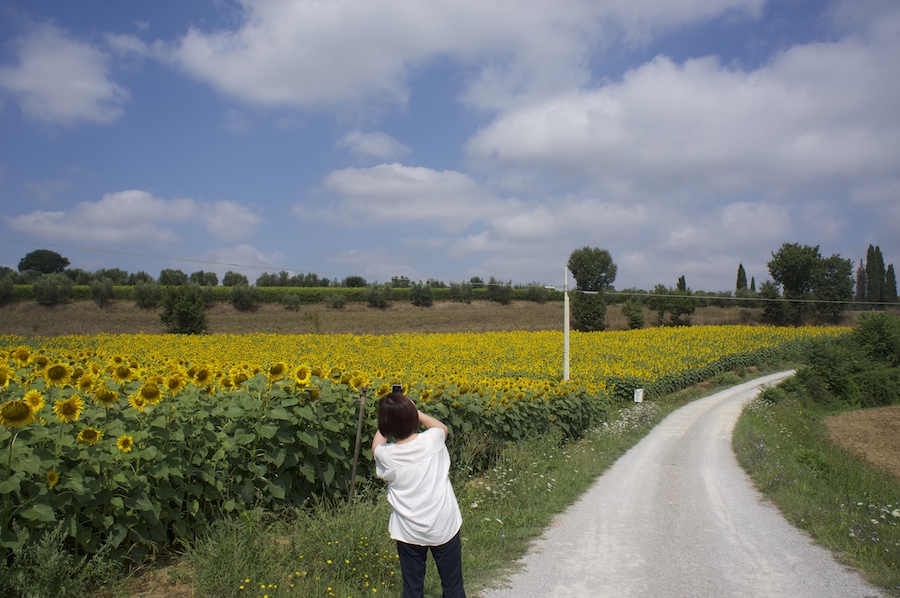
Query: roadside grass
[846, 504]
[343, 549]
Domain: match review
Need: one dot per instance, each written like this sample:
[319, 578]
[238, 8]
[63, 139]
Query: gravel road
[676, 516]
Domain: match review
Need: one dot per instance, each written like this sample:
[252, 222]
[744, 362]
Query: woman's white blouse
[424, 510]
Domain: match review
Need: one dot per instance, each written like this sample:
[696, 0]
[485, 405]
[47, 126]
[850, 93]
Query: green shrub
[537, 293]
[499, 292]
[184, 311]
[378, 295]
[291, 302]
[460, 293]
[147, 295]
[421, 295]
[589, 312]
[7, 290]
[634, 312]
[335, 300]
[102, 291]
[244, 297]
[52, 289]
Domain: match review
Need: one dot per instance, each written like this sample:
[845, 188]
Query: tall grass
[845, 503]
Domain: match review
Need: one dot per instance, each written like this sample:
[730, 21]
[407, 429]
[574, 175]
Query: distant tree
[378, 295]
[537, 293]
[114, 275]
[244, 297]
[79, 276]
[594, 272]
[499, 291]
[833, 285]
[234, 278]
[184, 311]
[147, 295]
[682, 284]
[476, 281]
[436, 284]
[860, 296]
[794, 268]
[460, 292]
[741, 284]
[875, 274]
[170, 277]
[102, 291]
[890, 285]
[5, 271]
[676, 302]
[634, 312]
[309, 279]
[773, 307]
[752, 284]
[421, 295]
[52, 289]
[354, 282]
[205, 279]
[43, 261]
[139, 277]
[7, 289]
[400, 282]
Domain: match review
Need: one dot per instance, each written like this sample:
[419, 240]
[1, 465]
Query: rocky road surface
[677, 516]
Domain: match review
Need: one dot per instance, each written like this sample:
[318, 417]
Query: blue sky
[450, 138]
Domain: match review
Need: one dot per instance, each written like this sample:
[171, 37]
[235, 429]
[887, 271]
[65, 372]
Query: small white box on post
[638, 395]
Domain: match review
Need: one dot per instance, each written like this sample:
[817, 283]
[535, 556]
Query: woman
[424, 512]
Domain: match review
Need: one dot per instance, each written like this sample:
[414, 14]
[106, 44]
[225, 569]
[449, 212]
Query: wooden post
[359, 426]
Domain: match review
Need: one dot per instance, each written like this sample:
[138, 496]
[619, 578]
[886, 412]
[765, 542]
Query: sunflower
[57, 374]
[5, 375]
[302, 375]
[41, 361]
[106, 397]
[150, 393]
[89, 436]
[35, 400]
[21, 355]
[174, 383]
[383, 390]
[203, 376]
[52, 478]
[85, 382]
[138, 402]
[16, 413]
[122, 373]
[125, 443]
[276, 371]
[357, 379]
[68, 410]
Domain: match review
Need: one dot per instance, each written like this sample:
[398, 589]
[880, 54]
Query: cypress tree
[741, 278]
[860, 296]
[890, 285]
[874, 275]
[752, 284]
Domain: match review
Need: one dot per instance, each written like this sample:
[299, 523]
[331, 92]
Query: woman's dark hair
[397, 416]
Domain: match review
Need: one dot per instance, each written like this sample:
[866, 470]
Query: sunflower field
[133, 442]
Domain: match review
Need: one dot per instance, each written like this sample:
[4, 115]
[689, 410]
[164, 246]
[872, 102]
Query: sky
[446, 139]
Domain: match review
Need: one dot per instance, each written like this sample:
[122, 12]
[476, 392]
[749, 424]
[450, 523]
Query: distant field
[123, 317]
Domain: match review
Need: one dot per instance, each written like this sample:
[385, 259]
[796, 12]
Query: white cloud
[317, 54]
[818, 118]
[244, 259]
[394, 193]
[228, 220]
[61, 80]
[47, 191]
[378, 145]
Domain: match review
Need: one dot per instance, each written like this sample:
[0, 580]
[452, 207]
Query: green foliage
[499, 291]
[170, 277]
[460, 292]
[233, 279]
[400, 282]
[421, 295]
[588, 311]
[592, 268]
[634, 312]
[245, 298]
[102, 291]
[878, 335]
[537, 293]
[379, 295]
[147, 295]
[354, 282]
[116, 275]
[676, 302]
[291, 302]
[52, 289]
[139, 277]
[206, 279]
[43, 261]
[184, 310]
[335, 300]
[741, 283]
[875, 275]
[7, 290]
